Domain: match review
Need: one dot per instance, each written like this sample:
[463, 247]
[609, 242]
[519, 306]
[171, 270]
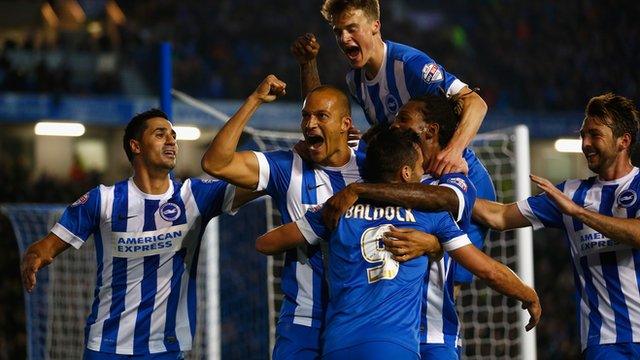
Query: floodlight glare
[569, 145]
[187, 132]
[47, 128]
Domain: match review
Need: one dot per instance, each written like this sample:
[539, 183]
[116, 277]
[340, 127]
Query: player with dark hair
[433, 118]
[147, 231]
[599, 216]
[375, 302]
[385, 75]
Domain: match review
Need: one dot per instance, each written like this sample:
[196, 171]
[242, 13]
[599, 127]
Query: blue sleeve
[466, 192]
[542, 211]
[80, 219]
[424, 76]
[445, 227]
[211, 197]
[312, 227]
[275, 171]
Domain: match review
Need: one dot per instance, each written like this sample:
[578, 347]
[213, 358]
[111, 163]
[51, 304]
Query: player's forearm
[309, 77]
[282, 238]
[412, 196]
[498, 216]
[626, 231]
[474, 110]
[223, 147]
[503, 280]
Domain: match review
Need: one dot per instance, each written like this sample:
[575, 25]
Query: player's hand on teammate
[446, 162]
[270, 89]
[337, 205]
[406, 244]
[534, 309]
[305, 48]
[564, 203]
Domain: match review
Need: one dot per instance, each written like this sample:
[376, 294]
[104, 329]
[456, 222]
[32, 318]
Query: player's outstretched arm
[620, 229]
[411, 196]
[305, 49]
[474, 110]
[282, 238]
[498, 216]
[221, 159]
[500, 278]
[38, 255]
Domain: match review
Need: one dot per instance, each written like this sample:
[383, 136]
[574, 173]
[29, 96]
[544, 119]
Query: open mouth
[352, 52]
[169, 153]
[314, 141]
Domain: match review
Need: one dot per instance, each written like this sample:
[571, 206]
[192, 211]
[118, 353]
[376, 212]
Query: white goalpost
[492, 326]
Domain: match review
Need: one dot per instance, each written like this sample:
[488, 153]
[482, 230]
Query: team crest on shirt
[432, 73]
[391, 103]
[170, 211]
[627, 198]
[459, 182]
[82, 200]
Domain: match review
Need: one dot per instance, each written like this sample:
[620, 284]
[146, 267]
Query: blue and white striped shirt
[146, 250]
[439, 320]
[405, 73]
[606, 272]
[297, 186]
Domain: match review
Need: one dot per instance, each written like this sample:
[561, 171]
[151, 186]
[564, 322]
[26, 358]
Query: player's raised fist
[305, 48]
[270, 89]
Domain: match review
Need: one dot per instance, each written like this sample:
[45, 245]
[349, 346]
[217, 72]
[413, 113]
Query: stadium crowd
[541, 56]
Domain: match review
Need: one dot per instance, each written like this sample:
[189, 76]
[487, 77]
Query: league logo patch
[82, 200]
[170, 211]
[391, 103]
[459, 183]
[432, 73]
[627, 198]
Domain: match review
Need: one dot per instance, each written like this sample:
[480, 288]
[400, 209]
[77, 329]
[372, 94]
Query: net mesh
[490, 321]
[250, 295]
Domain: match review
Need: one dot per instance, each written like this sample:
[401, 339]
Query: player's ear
[375, 27]
[134, 145]
[346, 123]
[624, 142]
[431, 131]
[405, 173]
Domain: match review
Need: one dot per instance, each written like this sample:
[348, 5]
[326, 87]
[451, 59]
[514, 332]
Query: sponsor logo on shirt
[432, 73]
[82, 200]
[145, 243]
[170, 211]
[459, 182]
[627, 198]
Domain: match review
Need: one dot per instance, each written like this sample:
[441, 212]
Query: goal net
[239, 293]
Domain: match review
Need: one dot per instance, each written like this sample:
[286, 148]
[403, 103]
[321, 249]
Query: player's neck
[617, 170]
[151, 182]
[339, 158]
[372, 67]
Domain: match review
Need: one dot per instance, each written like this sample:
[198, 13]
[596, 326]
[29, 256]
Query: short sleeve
[448, 232]
[424, 76]
[212, 197]
[275, 171]
[312, 227]
[466, 192]
[80, 219]
[541, 211]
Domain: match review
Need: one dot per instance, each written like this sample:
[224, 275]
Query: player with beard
[147, 231]
[375, 302]
[599, 216]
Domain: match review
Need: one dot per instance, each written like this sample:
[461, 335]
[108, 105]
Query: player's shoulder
[406, 53]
